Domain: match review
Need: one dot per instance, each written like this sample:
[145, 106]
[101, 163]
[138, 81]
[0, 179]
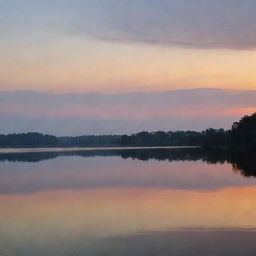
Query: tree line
[31, 139]
[208, 138]
[241, 135]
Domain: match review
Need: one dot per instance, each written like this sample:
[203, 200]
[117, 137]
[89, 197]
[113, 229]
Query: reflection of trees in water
[184, 154]
[243, 161]
[28, 157]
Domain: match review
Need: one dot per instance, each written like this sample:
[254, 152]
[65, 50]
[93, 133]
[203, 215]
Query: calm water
[148, 202]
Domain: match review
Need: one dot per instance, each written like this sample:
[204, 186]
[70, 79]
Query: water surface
[126, 202]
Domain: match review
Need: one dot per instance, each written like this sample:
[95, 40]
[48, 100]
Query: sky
[119, 66]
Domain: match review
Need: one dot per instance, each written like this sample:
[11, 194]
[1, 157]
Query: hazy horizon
[72, 114]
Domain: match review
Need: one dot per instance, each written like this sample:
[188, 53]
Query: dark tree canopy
[31, 139]
[90, 141]
[207, 138]
[243, 133]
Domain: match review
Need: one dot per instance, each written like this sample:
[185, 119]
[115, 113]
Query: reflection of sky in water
[114, 206]
[114, 172]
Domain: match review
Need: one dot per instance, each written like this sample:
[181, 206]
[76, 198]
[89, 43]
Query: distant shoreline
[240, 136]
[63, 149]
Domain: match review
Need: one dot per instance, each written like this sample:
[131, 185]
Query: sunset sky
[117, 66]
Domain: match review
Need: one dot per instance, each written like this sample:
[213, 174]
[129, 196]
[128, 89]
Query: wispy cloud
[186, 23]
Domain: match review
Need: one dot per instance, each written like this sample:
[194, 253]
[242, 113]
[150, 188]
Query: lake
[130, 202]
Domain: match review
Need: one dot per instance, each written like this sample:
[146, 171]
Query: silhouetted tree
[243, 133]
